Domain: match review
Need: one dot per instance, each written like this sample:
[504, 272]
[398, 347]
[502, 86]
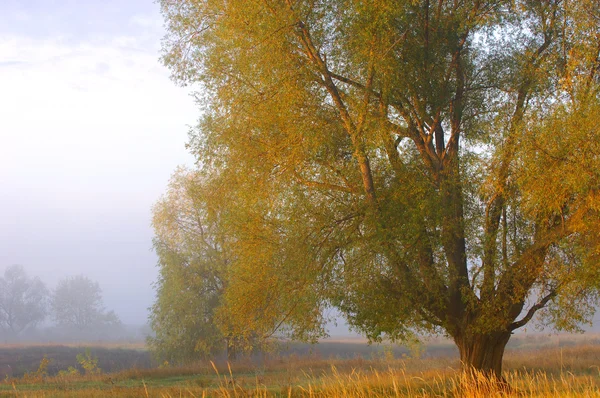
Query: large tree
[23, 301]
[424, 166]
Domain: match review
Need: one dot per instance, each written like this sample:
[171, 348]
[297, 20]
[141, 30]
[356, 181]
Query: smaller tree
[23, 301]
[77, 304]
[194, 252]
[192, 272]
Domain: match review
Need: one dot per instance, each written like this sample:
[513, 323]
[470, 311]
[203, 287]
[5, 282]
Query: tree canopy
[424, 166]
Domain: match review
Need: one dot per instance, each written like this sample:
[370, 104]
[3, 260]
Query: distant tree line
[74, 308]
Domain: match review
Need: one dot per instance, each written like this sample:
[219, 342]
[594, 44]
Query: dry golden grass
[549, 372]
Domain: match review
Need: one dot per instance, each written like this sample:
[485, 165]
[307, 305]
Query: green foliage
[416, 348]
[88, 362]
[70, 372]
[193, 265]
[422, 166]
[40, 373]
[43, 368]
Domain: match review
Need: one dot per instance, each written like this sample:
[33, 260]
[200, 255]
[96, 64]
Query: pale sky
[91, 129]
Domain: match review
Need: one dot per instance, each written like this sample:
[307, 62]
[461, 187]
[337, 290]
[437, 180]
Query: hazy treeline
[73, 310]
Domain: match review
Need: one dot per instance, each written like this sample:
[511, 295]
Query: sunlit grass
[566, 372]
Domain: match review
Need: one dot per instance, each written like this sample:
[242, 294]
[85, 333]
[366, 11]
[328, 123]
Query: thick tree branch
[525, 271]
[352, 130]
[367, 93]
[541, 304]
[497, 204]
[356, 84]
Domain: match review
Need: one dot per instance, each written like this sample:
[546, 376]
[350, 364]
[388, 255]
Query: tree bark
[230, 350]
[483, 352]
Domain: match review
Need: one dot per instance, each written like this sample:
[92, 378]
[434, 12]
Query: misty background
[91, 129]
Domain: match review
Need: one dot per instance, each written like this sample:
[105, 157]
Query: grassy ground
[26, 358]
[554, 371]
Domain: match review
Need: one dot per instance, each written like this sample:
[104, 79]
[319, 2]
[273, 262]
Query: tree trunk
[230, 349]
[483, 352]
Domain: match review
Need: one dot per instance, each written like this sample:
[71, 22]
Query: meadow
[538, 366]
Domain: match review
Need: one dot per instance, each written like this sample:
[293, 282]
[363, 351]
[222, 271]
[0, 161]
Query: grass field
[112, 358]
[539, 367]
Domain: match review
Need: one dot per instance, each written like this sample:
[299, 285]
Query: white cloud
[89, 135]
[146, 21]
[90, 110]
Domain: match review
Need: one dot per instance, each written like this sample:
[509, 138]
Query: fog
[91, 128]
